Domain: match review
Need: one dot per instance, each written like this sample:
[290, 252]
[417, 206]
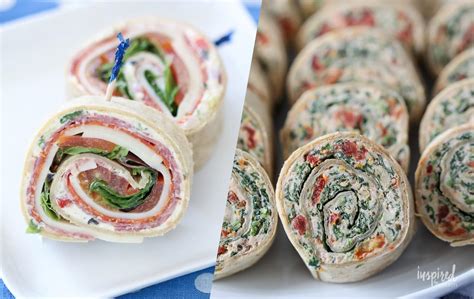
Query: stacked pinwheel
[119, 167]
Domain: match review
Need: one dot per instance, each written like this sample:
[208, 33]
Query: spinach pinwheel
[371, 110]
[346, 206]
[444, 186]
[450, 32]
[250, 218]
[451, 107]
[357, 54]
[460, 68]
[401, 20]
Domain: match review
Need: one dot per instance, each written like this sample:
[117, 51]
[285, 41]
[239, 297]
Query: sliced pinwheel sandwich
[371, 110]
[357, 54]
[450, 32]
[346, 206]
[256, 139]
[286, 14]
[444, 186]
[250, 219]
[309, 7]
[270, 52]
[259, 85]
[451, 107]
[113, 170]
[400, 20]
[460, 68]
[169, 66]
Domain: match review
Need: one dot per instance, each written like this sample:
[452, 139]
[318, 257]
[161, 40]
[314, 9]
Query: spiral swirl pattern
[346, 207]
[373, 111]
[102, 170]
[401, 21]
[250, 218]
[450, 32]
[357, 55]
[460, 68]
[452, 107]
[169, 66]
[444, 186]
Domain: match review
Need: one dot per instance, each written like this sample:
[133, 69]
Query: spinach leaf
[140, 44]
[170, 89]
[123, 202]
[46, 202]
[117, 153]
[70, 116]
[32, 228]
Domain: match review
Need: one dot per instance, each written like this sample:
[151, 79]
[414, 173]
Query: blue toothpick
[121, 48]
[224, 39]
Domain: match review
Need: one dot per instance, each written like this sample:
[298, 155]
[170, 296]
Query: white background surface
[35, 53]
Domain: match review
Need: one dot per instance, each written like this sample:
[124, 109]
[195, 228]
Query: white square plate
[282, 274]
[35, 52]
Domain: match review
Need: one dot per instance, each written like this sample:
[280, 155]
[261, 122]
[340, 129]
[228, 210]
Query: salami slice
[357, 54]
[443, 184]
[401, 20]
[113, 170]
[250, 219]
[451, 107]
[460, 68]
[450, 32]
[373, 111]
[346, 206]
[169, 66]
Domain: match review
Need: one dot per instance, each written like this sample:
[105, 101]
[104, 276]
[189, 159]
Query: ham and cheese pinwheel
[346, 206]
[270, 52]
[444, 186]
[460, 68]
[450, 32]
[250, 219]
[451, 107]
[402, 21]
[374, 111]
[169, 66]
[113, 170]
[357, 54]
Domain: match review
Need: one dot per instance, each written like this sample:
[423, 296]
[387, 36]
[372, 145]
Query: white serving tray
[35, 52]
[282, 274]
